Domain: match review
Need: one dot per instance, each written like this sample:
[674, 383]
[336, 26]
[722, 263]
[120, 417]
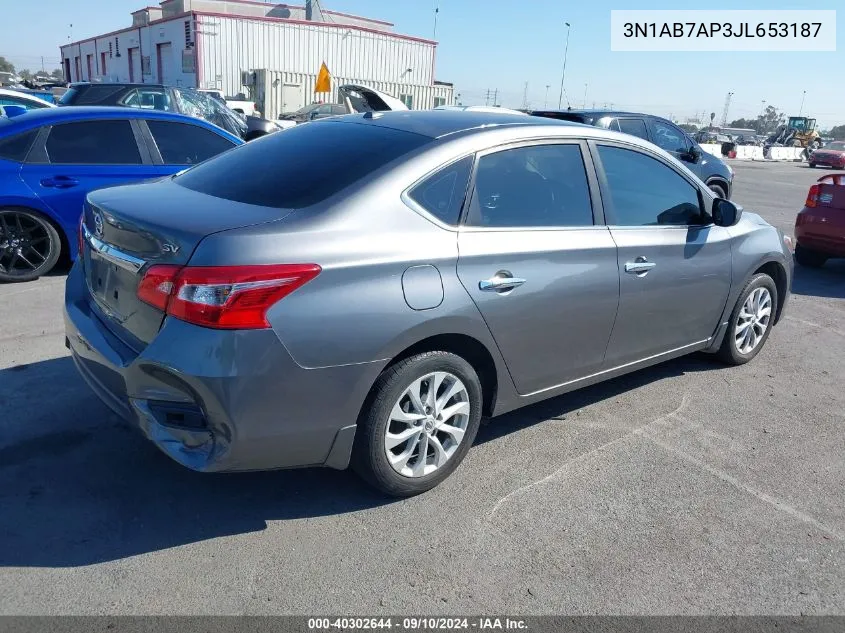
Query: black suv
[170, 99]
[665, 134]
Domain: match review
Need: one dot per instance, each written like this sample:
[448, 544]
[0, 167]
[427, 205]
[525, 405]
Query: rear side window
[534, 186]
[185, 144]
[93, 143]
[442, 194]
[636, 127]
[17, 147]
[90, 95]
[301, 166]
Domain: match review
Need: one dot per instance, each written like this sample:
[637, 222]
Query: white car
[10, 97]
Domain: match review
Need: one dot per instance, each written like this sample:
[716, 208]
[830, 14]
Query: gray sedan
[385, 280]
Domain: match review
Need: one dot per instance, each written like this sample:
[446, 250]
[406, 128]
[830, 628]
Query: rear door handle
[640, 266]
[500, 282]
[59, 182]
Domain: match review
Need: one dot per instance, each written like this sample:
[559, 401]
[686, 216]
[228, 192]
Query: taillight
[813, 196]
[224, 297]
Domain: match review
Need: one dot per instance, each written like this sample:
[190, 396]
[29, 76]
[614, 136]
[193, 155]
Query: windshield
[308, 108]
[202, 106]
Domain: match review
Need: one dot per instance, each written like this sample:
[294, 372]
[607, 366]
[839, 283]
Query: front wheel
[751, 320]
[29, 245]
[422, 418]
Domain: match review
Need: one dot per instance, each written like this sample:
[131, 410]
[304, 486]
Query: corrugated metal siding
[232, 45]
[271, 83]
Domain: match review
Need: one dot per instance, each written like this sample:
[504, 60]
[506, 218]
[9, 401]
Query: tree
[689, 128]
[748, 124]
[25, 74]
[58, 74]
[6, 66]
[770, 120]
[837, 132]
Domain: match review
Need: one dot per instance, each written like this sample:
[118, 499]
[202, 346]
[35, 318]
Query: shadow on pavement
[827, 281]
[78, 486]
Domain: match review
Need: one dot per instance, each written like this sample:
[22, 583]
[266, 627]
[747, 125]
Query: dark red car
[832, 155]
[820, 225]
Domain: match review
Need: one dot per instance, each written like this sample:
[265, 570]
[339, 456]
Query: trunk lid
[363, 99]
[130, 227]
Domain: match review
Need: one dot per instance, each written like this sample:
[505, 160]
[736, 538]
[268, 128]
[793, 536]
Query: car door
[71, 159]
[175, 145]
[675, 141]
[674, 264]
[538, 263]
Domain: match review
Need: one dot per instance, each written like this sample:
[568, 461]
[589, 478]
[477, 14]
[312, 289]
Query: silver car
[385, 280]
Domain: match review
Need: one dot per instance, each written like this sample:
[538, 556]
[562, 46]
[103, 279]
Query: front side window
[186, 144]
[645, 192]
[635, 127]
[442, 194]
[669, 137]
[110, 142]
[534, 186]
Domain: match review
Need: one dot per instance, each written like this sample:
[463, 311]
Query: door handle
[500, 282]
[639, 266]
[59, 182]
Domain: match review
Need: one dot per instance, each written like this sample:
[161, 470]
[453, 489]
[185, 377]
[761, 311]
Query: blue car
[51, 158]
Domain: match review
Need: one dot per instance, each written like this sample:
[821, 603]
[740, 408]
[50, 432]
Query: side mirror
[313, 115]
[14, 110]
[725, 212]
[694, 154]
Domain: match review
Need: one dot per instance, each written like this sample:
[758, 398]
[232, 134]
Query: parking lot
[688, 488]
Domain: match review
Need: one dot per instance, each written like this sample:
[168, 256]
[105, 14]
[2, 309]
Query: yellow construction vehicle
[799, 131]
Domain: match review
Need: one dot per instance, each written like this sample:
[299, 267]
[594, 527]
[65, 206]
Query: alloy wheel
[24, 244]
[427, 424]
[753, 320]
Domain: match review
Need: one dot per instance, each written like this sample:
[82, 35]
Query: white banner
[722, 30]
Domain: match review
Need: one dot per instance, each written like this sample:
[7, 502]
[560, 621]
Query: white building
[221, 43]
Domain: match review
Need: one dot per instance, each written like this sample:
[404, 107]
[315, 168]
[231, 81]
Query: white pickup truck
[247, 108]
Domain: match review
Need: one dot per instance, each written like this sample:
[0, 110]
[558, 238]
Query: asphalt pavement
[688, 488]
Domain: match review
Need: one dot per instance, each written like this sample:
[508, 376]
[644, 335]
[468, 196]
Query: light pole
[760, 118]
[563, 73]
[546, 100]
[585, 96]
[801, 109]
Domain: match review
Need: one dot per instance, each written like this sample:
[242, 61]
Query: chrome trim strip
[618, 367]
[112, 254]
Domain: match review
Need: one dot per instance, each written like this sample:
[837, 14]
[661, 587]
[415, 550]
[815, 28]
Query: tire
[370, 452]
[731, 352]
[809, 258]
[29, 245]
[719, 190]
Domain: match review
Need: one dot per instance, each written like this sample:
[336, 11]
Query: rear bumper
[821, 238]
[218, 400]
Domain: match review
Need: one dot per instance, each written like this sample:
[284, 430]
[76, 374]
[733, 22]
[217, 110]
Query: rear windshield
[566, 116]
[89, 95]
[302, 166]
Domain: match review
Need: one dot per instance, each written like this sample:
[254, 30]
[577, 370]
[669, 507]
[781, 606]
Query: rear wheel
[29, 245]
[809, 258]
[422, 419]
[751, 320]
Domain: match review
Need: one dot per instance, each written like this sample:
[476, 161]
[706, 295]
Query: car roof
[32, 96]
[46, 116]
[439, 123]
[127, 84]
[594, 113]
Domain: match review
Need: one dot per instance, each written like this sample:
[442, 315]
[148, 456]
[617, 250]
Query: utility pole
[563, 73]
[585, 96]
[801, 109]
[436, 11]
[546, 100]
[525, 96]
[495, 95]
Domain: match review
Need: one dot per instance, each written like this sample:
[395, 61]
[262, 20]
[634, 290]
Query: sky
[497, 45]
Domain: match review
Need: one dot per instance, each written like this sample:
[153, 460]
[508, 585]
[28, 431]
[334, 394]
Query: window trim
[589, 169]
[607, 199]
[152, 147]
[41, 156]
[415, 206]
[641, 119]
